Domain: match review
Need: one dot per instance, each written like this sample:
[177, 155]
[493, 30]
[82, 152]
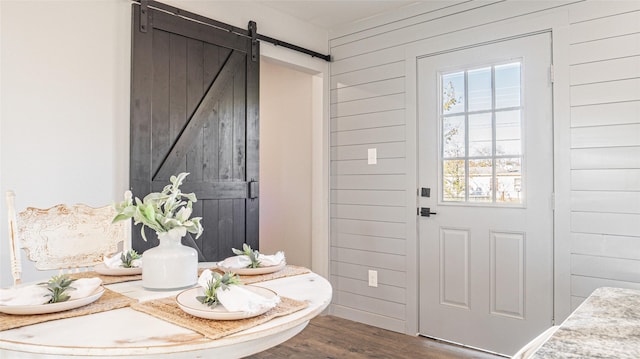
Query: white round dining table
[129, 333]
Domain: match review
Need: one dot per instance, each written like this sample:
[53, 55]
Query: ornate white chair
[63, 237]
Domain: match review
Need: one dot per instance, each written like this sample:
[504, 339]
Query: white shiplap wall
[604, 57]
[371, 222]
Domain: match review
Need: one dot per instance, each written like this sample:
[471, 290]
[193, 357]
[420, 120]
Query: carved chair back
[64, 237]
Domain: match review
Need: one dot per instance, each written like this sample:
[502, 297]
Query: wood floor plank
[330, 337]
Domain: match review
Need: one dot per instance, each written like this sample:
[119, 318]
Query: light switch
[372, 157]
[373, 278]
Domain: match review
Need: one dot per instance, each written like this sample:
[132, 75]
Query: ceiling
[332, 14]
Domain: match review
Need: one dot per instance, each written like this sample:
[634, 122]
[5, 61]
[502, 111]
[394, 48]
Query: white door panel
[485, 150]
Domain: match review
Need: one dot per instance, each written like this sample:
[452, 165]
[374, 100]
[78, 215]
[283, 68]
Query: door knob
[426, 212]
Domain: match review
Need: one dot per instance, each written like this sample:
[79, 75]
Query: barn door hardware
[255, 37]
[253, 33]
[144, 15]
[254, 189]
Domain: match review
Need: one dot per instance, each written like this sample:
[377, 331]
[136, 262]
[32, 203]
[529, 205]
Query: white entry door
[486, 223]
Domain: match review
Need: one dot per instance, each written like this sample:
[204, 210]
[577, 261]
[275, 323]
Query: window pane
[508, 180]
[480, 174]
[453, 137]
[508, 85]
[453, 93]
[480, 135]
[479, 82]
[508, 133]
[453, 178]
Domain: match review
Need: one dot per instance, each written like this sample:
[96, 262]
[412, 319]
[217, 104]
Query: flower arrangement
[164, 211]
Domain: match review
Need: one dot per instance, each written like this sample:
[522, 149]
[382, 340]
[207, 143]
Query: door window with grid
[481, 134]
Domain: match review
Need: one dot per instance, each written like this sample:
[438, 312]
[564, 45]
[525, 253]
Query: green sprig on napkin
[252, 254]
[58, 286]
[216, 282]
[128, 257]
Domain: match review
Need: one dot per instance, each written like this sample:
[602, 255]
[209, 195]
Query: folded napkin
[238, 299]
[116, 262]
[25, 295]
[84, 287]
[243, 261]
[36, 294]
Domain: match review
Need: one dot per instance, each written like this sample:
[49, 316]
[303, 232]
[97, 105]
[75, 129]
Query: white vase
[170, 265]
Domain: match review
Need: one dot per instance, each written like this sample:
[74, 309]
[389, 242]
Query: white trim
[557, 22]
[411, 128]
[562, 173]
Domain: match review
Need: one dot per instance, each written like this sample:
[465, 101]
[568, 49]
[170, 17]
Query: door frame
[557, 24]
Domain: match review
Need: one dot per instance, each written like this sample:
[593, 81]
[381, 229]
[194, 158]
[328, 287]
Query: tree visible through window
[481, 143]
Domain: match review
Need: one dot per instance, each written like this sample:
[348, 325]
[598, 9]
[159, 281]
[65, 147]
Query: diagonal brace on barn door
[191, 129]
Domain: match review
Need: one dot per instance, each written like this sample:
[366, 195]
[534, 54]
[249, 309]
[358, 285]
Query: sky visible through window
[481, 144]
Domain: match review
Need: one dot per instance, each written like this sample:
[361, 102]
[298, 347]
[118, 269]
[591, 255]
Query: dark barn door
[194, 108]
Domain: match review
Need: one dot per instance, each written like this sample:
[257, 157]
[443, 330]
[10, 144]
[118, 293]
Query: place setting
[59, 297]
[222, 303]
[127, 262]
[251, 262]
[254, 267]
[224, 297]
[58, 294]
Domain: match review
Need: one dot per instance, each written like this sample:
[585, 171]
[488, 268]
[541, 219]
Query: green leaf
[237, 251]
[57, 287]
[161, 211]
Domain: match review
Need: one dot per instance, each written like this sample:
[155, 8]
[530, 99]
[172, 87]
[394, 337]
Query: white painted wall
[65, 105]
[285, 162]
[597, 139]
[64, 126]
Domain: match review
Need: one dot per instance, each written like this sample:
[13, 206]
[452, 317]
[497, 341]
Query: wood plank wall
[604, 57]
[369, 213]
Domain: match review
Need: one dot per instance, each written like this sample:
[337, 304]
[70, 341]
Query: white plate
[104, 270]
[253, 271]
[187, 302]
[53, 307]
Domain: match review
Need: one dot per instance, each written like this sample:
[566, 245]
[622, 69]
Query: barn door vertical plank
[239, 222]
[225, 160]
[195, 91]
[210, 214]
[141, 85]
[225, 227]
[209, 243]
[253, 144]
[177, 92]
[239, 152]
[160, 97]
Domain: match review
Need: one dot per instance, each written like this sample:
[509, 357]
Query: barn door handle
[426, 212]
[254, 189]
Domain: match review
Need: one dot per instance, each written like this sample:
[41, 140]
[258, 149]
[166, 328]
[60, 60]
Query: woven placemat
[108, 301]
[107, 279]
[287, 271]
[167, 309]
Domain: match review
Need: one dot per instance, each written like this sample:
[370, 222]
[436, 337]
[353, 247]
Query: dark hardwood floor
[336, 338]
